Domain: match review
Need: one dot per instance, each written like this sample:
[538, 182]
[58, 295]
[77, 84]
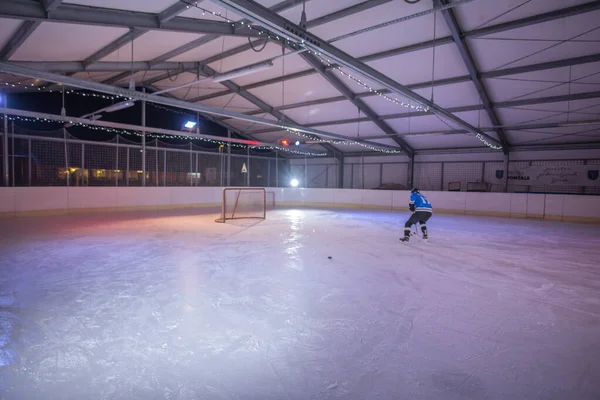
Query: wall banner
[537, 175]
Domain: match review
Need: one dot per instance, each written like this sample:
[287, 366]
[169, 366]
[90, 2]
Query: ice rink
[171, 305]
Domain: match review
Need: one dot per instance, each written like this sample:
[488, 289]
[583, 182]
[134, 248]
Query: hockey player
[422, 211]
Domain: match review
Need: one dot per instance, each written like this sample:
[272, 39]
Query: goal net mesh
[240, 203]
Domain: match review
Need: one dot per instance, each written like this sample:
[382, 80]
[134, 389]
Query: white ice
[164, 305]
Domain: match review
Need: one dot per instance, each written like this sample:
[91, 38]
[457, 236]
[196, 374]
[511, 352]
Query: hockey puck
[329, 257]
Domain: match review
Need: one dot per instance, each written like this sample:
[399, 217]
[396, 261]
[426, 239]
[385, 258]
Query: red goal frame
[224, 217]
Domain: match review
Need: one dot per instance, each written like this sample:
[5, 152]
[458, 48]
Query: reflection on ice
[172, 305]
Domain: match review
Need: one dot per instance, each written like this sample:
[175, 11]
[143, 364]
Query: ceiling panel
[47, 42]
[154, 6]
[579, 110]
[381, 106]
[402, 34]
[313, 87]
[553, 82]
[151, 45]
[429, 123]
[572, 134]
[416, 67]
[353, 130]
[231, 102]
[281, 66]
[95, 76]
[8, 27]
[316, 9]
[550, 41]
[323, 112]
[443, 141]
[211, 48]
[455, 95]
[483, 13]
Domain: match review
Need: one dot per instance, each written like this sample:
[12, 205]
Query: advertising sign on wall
[537, 175]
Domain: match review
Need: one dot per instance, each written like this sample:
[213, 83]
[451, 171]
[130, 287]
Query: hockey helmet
[415, 190]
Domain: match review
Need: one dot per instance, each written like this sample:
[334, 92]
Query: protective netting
[242, 203]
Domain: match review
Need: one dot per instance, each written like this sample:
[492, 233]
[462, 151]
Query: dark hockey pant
[418, 216]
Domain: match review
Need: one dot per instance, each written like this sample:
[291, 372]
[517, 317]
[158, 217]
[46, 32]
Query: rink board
[32, 201]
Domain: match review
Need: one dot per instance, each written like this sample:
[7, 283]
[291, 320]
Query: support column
[411, 172]
[305, 172]
[248, 166]
[5, 175]
[117, 164]
[341, 173]
[228, 159]
[506, 166]
[127, 167]
[143, 141]
[82, 163]
[66, 147]
[276, 168]
[192, 173]
[268, 173]
[12, 135]
[29, 163]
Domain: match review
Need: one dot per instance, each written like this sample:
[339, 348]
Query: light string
[344, 142]
[165, 136]
[330, 64]
[261, 31]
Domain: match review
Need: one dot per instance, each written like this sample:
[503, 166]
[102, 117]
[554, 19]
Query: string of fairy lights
[169, 136]
[243, 24]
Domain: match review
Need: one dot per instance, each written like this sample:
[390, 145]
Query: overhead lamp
[189, 125]
[236, 73]
[294, 182]
[119, 106]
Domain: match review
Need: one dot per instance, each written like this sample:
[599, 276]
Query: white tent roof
[536, 63]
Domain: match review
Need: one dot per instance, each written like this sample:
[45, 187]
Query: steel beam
[345, 12]
[558, 14]
[285, 28]
[18, 38]
[174, 10]
[102, 88]
[469, 62]
[361, 105]
[114, 46]
[71, 13]
[50, 5]
[285, 5]
[164, 16]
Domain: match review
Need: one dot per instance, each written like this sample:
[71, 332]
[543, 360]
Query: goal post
[243, 203]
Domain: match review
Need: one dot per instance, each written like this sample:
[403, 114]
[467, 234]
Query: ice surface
[164, 305]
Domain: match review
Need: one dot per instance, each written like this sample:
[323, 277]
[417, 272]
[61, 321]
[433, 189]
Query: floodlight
[190, 125]
[294, 183]
[297, 143]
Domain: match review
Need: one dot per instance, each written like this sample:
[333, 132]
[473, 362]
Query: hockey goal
[243, 203]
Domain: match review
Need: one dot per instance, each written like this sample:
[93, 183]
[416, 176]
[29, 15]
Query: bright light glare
[190, 124]
[294, 182]
[297, 143]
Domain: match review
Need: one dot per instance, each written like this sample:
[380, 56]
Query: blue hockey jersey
[420, 203]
